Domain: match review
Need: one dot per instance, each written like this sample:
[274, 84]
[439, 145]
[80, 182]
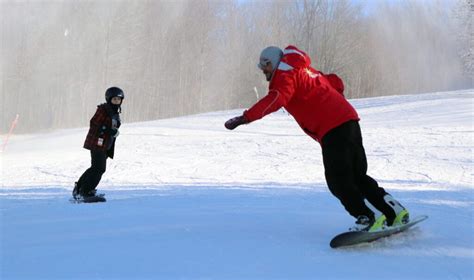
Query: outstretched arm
[281, 91]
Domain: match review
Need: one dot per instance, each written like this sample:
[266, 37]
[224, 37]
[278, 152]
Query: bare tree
[464, 14]
[182, 57]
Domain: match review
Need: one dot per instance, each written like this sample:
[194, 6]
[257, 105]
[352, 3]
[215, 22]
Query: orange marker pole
[12, 126]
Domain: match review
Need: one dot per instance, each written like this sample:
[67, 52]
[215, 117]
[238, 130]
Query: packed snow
[188, 199]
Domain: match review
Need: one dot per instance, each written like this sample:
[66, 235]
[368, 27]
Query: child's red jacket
[99, 135]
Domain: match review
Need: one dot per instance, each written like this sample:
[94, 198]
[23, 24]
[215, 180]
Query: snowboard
[357, 237]
[90, 199]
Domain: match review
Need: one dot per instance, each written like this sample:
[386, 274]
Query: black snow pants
[91, 177]
[345, 165]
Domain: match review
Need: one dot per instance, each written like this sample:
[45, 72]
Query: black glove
[235, 122]
[114, 132]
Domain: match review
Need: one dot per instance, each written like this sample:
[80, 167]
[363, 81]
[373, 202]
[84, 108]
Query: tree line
[174, 58]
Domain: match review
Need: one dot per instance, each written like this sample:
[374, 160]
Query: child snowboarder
[100, 140]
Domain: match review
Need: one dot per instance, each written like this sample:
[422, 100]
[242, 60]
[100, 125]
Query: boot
[76, 191]
[369, 224]
[401, 213]
[92, 196]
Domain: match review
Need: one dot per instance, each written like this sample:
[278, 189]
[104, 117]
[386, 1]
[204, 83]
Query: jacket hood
[295, 58]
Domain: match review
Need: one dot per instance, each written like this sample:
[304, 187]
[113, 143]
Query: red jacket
[99, 136]
[306, 94]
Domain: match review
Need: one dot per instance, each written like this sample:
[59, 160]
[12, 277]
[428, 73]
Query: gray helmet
[270, 54]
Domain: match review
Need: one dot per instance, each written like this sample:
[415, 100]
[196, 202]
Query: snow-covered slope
[189, 199]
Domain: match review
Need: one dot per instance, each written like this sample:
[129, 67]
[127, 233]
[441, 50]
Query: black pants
[91, 177]
[345, 165]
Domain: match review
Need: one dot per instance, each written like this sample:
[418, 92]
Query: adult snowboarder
[100, 140]
[317, 103]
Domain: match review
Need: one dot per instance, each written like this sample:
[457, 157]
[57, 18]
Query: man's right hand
[235, 122]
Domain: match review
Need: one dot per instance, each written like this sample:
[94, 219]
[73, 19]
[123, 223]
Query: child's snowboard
[89, 199]
[356, 237]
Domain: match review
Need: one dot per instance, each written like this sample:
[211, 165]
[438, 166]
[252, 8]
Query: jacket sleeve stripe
[269, 107]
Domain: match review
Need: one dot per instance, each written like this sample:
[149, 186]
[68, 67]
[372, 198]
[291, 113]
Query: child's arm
[99, 122]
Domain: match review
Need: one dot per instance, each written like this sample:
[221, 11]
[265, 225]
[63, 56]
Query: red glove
[235, 122]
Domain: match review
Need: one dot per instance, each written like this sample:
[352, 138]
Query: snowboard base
[357, 237]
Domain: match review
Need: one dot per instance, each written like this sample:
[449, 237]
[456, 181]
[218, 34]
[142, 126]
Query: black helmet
[113, 92]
